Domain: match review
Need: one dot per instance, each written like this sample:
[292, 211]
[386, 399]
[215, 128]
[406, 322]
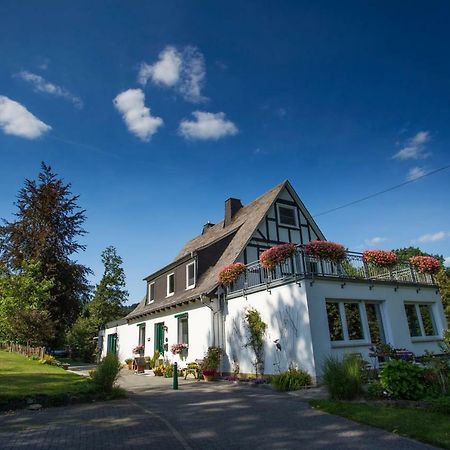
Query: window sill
[425, 339]
[188, 288]
[344, 344]
[170, 295]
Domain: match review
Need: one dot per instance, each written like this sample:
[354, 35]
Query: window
[142, 334]
[420, 320]
[287, 215]
[183, 329]
[355, 321]
[190, 275]
[170, 284]
[151, 293]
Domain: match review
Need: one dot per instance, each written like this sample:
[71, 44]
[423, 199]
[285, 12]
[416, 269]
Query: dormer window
[190, 275]
[151, 293]
[287, 215]
[170, 284]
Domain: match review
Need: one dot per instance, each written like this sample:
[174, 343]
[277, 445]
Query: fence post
[175, 375]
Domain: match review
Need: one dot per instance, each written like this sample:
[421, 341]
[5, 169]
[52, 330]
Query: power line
[397, 186]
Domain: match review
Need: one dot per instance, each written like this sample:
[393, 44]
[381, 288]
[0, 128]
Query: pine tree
[110, 293]
[45, 230]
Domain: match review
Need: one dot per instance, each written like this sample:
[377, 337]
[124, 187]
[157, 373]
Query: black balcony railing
[301, 265]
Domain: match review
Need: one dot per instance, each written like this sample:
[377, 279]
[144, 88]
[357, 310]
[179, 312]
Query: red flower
[229, 274]
[276, 255]
[326, 250]
[380, 258]
[425, 264]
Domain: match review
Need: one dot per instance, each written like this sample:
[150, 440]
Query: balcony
[301, 266]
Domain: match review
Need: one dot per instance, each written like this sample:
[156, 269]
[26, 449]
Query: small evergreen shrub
[342, 377]
[291, 380]
[403, 380]
[107, 372]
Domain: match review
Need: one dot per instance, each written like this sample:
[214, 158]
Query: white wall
[285, 311]
[199, 326]
[393, 314]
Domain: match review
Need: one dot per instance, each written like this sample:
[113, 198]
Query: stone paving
[198, 416]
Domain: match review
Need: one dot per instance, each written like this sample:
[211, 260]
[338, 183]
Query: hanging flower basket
[326, 250]
[139, 350]
[425, 264]
[276, 255]
[230, 274]
[380, 258]
[179, 348]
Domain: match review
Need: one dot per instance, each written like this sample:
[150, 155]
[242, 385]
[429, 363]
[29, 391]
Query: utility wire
[397, 186]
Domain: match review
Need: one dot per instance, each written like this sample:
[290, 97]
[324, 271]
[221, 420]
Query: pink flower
[276, 255]
[230, 274]
[425, 264]
[326, 250]
[380, 258]
[178, 348]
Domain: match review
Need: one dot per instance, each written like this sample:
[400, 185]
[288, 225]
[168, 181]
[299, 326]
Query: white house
[313, 308]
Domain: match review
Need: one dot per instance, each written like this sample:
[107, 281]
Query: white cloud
[40, 84]
[447, 261]
[136, 115]
[182, 70]
[416, 172]
[207, 126]
[433, 237]
[15, 119]
[415, 147]
[375, 240]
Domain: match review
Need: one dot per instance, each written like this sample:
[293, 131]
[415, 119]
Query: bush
[50, 360]
[343, 377]
[159, 371]
[441, 405]
[107, 372]
[291, 380]
[402, 380]
[375, 391]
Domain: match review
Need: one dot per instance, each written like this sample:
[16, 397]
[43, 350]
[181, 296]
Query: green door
[112, 343]
[159, 337]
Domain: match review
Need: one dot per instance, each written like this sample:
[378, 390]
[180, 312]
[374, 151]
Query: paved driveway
[198, 416]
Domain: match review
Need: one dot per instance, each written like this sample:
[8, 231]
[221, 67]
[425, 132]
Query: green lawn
[425, 426]
[21, 376]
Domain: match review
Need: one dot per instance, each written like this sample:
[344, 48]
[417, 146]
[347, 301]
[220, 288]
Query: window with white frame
[353, 321]
[183, 330]
[190, 275]
[287, 215]
[170, 284]
[420, 319]
[151, 293]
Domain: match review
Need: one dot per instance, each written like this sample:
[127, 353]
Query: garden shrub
[50, 360]
[441, 405]
[107, 372]
[342, 377]
[375, 391]
[403, 380]
[291, 380]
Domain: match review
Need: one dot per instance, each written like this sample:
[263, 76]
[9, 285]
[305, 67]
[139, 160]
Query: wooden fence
[23, 349]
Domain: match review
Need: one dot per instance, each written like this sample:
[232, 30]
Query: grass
[426, 426]
[21, 377]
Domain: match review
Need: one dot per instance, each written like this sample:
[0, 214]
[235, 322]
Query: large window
[420, 319]
[170, 284]
[353, 321]
[151, 292]
[287, 215]
[190, 275]
[183, 330]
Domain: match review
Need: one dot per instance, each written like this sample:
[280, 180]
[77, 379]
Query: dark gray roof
[240, 230]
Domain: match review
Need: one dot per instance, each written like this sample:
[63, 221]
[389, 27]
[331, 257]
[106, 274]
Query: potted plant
[129, 363]
[276, 255]
[209, 374]
[331, 251]
[211, 363]
[138, 350]
[425, 264]
[179, 349]
[230, 274]
[380, 258]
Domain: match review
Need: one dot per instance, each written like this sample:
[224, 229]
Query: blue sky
[157, 112]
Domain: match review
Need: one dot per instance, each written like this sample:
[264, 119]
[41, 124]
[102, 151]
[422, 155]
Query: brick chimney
[232, 206]
[207, 226]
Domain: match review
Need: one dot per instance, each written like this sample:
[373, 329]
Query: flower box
[273, 256]
[380, 258]
[230, 274]
[331, 251]
[425, 264]
[179, 348]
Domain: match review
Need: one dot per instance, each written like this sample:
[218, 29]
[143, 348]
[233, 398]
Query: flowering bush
[229, 274]
[276, 255]
[326, 250]
[138, 350]
[176, 349]
[380, 258]
[425, 264]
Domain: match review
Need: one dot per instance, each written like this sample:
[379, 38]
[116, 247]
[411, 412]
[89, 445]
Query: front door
[159, 337]
[112, 343]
